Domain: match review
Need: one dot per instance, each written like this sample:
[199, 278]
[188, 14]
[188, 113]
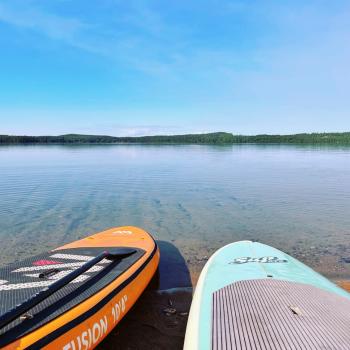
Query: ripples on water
[200, 197]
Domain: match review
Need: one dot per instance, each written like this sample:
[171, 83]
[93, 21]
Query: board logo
[122, 233]
[264, 260]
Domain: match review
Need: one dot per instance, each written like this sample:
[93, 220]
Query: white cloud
[71, 31]
[297, 68]
[52, 25]
[96, 122]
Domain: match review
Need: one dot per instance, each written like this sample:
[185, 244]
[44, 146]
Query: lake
[296, 198]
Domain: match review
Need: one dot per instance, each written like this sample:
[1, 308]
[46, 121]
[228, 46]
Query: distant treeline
[314, 138]
[210, 138]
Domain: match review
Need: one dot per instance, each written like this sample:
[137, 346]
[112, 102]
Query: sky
[130, 68]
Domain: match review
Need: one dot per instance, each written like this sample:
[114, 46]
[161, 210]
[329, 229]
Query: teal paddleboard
[252, 296]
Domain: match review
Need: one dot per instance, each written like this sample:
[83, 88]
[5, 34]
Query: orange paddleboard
[70, 298]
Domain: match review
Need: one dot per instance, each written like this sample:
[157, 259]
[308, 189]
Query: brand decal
[119, 308]
[122, 232]
[94, 334]
[91, 336]
[264, 260]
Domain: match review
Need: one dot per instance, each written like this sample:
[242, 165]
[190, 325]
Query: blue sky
[155, 67]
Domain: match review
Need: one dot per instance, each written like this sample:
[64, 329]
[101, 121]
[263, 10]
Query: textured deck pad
[21, 280]
[274, 314]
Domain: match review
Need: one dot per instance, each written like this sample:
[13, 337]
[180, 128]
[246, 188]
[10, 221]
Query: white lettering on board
[264, 260]
[91, 336]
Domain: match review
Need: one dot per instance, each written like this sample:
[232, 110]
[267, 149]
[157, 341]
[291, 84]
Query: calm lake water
[198, 197]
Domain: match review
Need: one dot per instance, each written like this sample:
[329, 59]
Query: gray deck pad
[275, 315]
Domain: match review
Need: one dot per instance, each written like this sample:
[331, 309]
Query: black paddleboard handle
[20, 309]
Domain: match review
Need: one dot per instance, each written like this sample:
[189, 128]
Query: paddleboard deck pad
[273, 314]
[103, 286]
[254, 297]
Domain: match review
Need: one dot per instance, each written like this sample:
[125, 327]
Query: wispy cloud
[142, 39]
[135, 130]
[53, 26]
[230, 60]
[69, 30]
[112, 122]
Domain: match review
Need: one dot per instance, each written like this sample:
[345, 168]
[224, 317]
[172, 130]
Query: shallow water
[198, 197]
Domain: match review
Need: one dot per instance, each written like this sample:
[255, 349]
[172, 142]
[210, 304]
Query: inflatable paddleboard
[251, 296]
[70, 298]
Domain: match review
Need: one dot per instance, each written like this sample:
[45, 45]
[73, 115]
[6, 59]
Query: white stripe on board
[25, 285]
[59, 266]
[77, 257]
[48, 267]
[37, 284]
[61, 274]
[3, 282]
[72, 257]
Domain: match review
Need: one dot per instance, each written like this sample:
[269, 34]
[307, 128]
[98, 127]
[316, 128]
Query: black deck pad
[19, 281]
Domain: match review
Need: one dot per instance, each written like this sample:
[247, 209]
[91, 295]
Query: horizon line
[185, 134]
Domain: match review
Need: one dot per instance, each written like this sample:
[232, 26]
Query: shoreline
[211, 138]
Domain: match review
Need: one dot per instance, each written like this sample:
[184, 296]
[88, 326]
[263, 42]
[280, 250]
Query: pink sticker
[45, 262]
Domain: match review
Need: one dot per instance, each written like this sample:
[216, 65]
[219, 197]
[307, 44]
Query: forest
[209, 138]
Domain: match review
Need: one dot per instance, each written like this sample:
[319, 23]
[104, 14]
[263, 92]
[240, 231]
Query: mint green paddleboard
[251, 296]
